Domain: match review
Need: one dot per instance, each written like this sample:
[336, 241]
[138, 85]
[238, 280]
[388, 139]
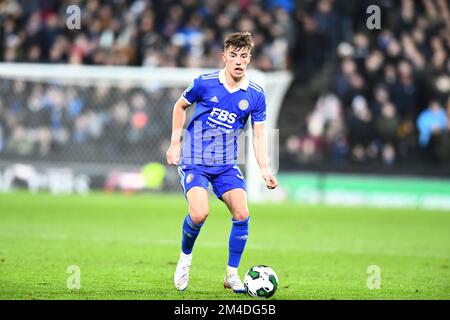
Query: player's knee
[241, 215]
[198, 215]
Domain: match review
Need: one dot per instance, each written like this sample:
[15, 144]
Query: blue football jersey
[219, 117]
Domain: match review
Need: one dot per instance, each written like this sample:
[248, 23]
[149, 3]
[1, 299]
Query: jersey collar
[243, 85]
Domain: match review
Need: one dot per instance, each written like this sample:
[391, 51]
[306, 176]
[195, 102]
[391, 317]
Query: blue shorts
[222, 178]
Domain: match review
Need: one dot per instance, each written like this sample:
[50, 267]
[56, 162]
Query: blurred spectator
[387, 124]
[405, 91]
[308, 53]
[116, 129]
[381, 96]
[328, 23]
[361, 129]
[443, 150]
[20, 142]
[432, 124]
[2, 127]
[325, 133]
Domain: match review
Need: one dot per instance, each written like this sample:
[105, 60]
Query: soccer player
[224, 101]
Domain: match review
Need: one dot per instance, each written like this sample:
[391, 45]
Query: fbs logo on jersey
[223, 115]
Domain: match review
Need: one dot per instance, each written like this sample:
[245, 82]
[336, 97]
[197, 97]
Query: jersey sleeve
[193, 92]
[259, 111]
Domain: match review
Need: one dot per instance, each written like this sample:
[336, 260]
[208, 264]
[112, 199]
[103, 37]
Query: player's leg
[236, 201]
[197, 198]
[230, 187]
[195, 185]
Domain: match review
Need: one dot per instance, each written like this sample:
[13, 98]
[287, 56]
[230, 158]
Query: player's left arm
[260, 149]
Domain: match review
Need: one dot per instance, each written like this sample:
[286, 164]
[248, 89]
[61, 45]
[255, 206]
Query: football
[261, 281]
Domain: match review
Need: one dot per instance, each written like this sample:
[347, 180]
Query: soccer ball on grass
[261, 281]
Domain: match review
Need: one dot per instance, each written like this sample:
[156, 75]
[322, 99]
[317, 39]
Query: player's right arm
[192, 94]
[178, 120]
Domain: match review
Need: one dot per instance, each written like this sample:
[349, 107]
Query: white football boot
[181, 276]
[233, 282]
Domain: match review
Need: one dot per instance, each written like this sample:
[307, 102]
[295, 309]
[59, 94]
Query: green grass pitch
[127, 246]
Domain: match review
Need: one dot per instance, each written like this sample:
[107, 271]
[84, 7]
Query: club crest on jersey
[189, 178]
[243, 104]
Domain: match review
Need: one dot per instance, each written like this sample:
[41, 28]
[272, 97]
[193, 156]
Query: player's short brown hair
[238, 40]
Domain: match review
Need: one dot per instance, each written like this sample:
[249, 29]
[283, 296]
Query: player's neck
[233, 82]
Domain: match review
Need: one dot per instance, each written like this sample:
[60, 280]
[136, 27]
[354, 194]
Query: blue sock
[190, 233]
[238, 239]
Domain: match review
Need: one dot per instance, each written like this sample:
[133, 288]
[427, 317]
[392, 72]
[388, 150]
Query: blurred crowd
[106, 122]
[118, 123]
[388, 99]
[185, 33]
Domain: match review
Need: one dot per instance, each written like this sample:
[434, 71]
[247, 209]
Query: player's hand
[271, 181]
[173, 154]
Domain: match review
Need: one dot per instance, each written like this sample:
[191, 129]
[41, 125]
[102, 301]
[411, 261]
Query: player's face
[236, 61]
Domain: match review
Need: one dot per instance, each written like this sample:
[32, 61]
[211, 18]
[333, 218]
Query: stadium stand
[372, 93]
[114, 123]
[361, 100]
